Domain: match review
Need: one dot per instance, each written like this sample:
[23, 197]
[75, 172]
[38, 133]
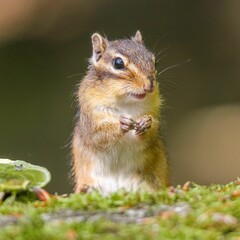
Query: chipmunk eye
[118, 63]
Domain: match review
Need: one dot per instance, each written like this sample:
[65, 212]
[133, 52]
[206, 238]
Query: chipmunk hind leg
[156, 171]
[81, 167]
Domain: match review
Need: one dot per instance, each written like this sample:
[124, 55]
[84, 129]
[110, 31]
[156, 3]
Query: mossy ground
[210, 212]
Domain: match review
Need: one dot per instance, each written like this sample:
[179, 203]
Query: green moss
[197, 212]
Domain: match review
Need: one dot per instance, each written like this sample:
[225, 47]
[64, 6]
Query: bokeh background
[44, 47]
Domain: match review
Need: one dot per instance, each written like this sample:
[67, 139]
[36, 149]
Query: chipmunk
[116, 142]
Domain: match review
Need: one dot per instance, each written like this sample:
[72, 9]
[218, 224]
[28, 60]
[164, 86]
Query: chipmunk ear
[99, 44]
[138, 37]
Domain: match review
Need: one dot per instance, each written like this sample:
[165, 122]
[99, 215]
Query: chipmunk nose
[149, 84]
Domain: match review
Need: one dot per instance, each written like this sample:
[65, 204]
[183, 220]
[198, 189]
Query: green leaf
[20, 176]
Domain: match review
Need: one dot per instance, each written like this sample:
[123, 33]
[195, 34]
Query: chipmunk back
[116, 142]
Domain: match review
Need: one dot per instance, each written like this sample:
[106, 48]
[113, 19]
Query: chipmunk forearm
[106, 135]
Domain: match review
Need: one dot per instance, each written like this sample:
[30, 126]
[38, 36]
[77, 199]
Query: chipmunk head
[126, 65]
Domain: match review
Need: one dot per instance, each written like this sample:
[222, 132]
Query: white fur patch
[109, 184]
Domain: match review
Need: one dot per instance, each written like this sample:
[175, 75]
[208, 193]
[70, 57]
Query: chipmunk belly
[117, 168]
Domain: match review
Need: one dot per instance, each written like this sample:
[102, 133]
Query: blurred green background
[43, 44]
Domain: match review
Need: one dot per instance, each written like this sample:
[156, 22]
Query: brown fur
[103, 97]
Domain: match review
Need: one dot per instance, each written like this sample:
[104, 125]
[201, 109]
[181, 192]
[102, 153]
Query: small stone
[219, 219]
[182, 209]
[225, 219]
[6, 220]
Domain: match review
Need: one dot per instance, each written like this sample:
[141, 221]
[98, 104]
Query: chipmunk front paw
[143, 124]
[127, 123]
